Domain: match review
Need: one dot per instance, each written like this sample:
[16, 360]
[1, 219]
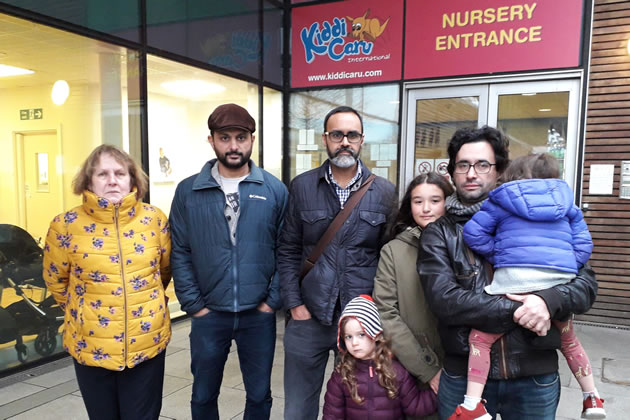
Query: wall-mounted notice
[303, 162]
[306, 140]
[423, 166]
[601, 179]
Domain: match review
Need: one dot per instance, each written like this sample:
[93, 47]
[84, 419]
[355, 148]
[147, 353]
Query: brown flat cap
[231, 116]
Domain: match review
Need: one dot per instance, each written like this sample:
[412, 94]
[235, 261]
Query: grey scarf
[456, 207]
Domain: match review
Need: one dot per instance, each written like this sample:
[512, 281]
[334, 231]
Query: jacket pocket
[370, 228]
[315, 223]
[373, 218]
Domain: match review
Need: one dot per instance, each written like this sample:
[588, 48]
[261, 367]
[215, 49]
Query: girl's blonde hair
[384, 368]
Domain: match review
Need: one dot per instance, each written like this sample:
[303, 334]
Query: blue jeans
[210, 338]
[307, 346]
[526, 398]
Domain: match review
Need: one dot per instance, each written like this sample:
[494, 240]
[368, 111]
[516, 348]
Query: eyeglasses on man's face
[337, 136]
[481, 167]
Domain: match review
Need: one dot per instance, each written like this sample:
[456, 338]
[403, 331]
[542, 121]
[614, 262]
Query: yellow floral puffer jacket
[108, 265]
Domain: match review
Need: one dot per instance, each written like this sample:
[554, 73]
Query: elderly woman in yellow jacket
[106, 262]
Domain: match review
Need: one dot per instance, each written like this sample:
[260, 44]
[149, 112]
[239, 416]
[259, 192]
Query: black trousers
[129, 394]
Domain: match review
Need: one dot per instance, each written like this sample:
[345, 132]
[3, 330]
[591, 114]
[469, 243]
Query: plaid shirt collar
[353, 185]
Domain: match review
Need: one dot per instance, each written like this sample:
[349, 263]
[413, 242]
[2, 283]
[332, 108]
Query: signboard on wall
[355, 41]
[31, 114]
[456, 37]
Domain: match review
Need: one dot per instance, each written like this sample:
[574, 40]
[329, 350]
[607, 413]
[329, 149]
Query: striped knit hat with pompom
[363, 309]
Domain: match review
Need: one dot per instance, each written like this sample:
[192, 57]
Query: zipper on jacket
[233, 250]
[502, 359]
[370, 398]
[235, 277]
[124, 283]
[234, 268]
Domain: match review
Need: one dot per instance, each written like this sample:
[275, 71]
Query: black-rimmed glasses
[481, 167]
[337, 136]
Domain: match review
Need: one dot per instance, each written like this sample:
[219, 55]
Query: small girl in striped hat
[368, 379]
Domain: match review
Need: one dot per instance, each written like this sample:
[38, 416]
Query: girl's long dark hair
[403, 218]
[383, 366]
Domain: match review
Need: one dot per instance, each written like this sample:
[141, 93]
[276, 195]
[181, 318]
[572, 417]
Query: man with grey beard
[345, 269]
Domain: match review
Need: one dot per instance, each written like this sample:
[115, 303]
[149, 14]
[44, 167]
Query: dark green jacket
[407, 320]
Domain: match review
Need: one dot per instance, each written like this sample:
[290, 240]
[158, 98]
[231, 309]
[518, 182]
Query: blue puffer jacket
[347, 267]
[208, 271]
[531, 223]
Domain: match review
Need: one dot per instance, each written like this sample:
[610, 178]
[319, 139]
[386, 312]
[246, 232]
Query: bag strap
[336, 224]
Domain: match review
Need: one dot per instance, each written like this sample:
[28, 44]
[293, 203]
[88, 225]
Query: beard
[470, 198]
[475, 196]
[244, 159]
[344, 161]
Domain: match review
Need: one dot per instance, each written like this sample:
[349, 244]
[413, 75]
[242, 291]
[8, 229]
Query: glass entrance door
[433, 116]
[538, 116]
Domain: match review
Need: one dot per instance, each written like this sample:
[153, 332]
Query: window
[378, 106]
[43, 142]
[223, 33]
[272, 135]
[180, 100]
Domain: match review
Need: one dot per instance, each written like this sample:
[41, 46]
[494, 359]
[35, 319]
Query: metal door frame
[445, 88]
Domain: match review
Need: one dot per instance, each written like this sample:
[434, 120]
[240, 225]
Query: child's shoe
[593, 408]
[479, 413]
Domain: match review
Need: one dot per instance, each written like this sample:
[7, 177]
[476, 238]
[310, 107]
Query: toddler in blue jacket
[536, 238]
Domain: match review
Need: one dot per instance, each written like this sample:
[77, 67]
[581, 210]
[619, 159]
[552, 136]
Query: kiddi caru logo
[327, 39]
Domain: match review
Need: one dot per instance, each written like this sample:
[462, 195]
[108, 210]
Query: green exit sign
[31, 114]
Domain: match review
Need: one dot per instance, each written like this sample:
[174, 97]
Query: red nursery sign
[456, 37]
[354, 41]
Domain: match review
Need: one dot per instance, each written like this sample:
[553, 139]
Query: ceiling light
[544, 110]
[528, 94]
[6, 71]
[192, 88]
[60, 92]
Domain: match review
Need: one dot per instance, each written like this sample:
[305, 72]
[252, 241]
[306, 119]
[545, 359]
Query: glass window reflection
[535, 123]
[222, 33]
[377, 104]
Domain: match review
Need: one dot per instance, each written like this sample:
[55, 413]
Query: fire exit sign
[31, 114]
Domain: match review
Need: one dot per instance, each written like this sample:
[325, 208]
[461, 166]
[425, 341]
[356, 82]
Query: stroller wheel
[22, 352]
[46, 341]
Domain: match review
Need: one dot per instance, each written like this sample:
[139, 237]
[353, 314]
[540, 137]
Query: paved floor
[51, 391]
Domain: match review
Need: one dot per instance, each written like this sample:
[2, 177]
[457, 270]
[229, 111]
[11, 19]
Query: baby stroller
[20, 270]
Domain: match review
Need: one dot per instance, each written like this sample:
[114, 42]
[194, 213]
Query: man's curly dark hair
[497, 140]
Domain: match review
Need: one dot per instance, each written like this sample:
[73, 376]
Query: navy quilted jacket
[531, 223]
[411, 401]
[210, 272]
[347, 267]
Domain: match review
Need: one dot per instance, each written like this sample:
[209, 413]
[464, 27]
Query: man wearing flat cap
[225, 226]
